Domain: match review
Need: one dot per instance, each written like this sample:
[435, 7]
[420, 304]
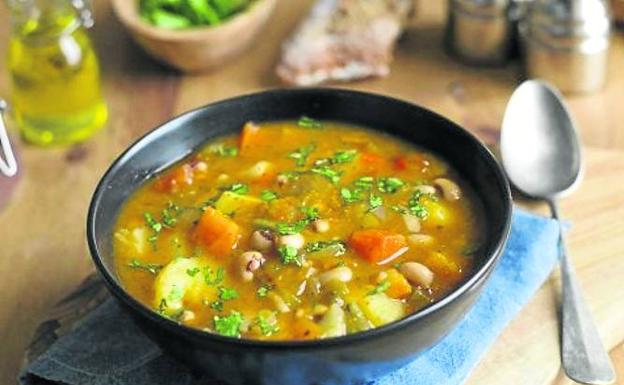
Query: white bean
[417, 274]
[341, 274]
[412, 223]
[425, 189]
[321, 225]
[295, 240]
[450, 190]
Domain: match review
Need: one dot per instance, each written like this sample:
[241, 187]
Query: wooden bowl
[200, 48]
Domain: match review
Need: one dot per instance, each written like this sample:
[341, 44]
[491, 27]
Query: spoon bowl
[541, 152]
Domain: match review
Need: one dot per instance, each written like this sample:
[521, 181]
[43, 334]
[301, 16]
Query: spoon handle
[583, 356]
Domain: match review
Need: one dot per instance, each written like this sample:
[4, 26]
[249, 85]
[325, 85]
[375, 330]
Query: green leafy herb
[289, 255]
[223, 150]
[389, 185]
[213, 278]
[327, 172]
[169, 214]
[237, 188]
[226, 294]
[266, 328]
[263, 291]
[149, 267]
[162, 306]
[344, 156]
[311, 214]
[229, 325]
[351, 196]
[301, 154]
[217, 305]
[152, 223]
[268, 195]
[290, 175]
[364, 183]
[193, 272]
[175, 295]
[382, 287]
[415, 206]
[374, 201]
[307, 122]
[313, 247]
[178, 14]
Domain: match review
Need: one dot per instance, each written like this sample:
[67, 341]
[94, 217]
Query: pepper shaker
[480, 31]
[566, 42]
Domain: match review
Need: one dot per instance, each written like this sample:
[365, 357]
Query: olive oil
[54, 71]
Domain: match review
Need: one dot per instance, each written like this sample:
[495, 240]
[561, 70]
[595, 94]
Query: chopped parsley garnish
[266, 328]
[263, 291]
[268, 195]
[327, 172]
[217, 305]
[301, 154]
[414, 206]
[345, 156]
[290, 175]
[382, 287]
[311, 214]
[213, 278]
[168, 219]
[149, 267]
[289, 255]
[374, 201]
[389, 185]
[176, 294]
[193, 272]
[223, 150]
[154, 225]
[169, 214]
[162, 306]
[364, 183]
[351, 196]
[237, 188]
[307, 122]
[229, 325]
[313, 247]
[226, 294]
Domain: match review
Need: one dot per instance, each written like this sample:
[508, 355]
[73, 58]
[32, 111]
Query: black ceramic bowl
[342, 360]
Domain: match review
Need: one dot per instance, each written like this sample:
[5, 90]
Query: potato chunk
[180, 280]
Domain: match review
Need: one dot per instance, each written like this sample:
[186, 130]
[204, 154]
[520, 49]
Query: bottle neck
[35, 19]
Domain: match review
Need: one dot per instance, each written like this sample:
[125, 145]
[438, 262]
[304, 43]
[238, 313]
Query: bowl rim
[132, 20]
[121, 294]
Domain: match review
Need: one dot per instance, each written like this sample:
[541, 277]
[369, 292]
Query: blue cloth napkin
[107, 348]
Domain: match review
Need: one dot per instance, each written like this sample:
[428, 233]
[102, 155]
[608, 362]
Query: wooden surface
[42, 232]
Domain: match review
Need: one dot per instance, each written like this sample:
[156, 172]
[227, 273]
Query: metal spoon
[542, 158]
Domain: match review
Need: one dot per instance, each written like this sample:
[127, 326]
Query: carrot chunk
[250, 136]
[217, 232]
[399, 287]
[375, 245]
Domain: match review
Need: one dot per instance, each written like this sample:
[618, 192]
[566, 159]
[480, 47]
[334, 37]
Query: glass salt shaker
[566, 42]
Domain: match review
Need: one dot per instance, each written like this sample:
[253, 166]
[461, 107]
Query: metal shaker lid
[568, 22]
[484, 8]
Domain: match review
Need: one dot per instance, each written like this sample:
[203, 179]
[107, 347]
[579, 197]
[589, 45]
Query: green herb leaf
[193, 272]
[290, 175]
[311, 213]
[389, 185]
[217, 305]
[213, 278]
[313, 247]
[327, 172]
[149, 267]
[226, 294]
[237, 188]
[415, 206]
[229, 325]
[374, 201]
[223, 150]
[382, 287]
[289, 255]
[344, 156]
[350, 196]
[263, 291]
[266, 328]
[301, 154]
[152, 223]
[307, 122]
[268, 195]
[364, 183]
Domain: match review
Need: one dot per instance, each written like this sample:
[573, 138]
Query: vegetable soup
[298, 230]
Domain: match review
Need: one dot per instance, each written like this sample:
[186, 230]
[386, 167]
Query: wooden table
[44, 254]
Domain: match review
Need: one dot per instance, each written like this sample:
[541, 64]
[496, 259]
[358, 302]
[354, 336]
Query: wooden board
[527, 352]
[42, 229]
